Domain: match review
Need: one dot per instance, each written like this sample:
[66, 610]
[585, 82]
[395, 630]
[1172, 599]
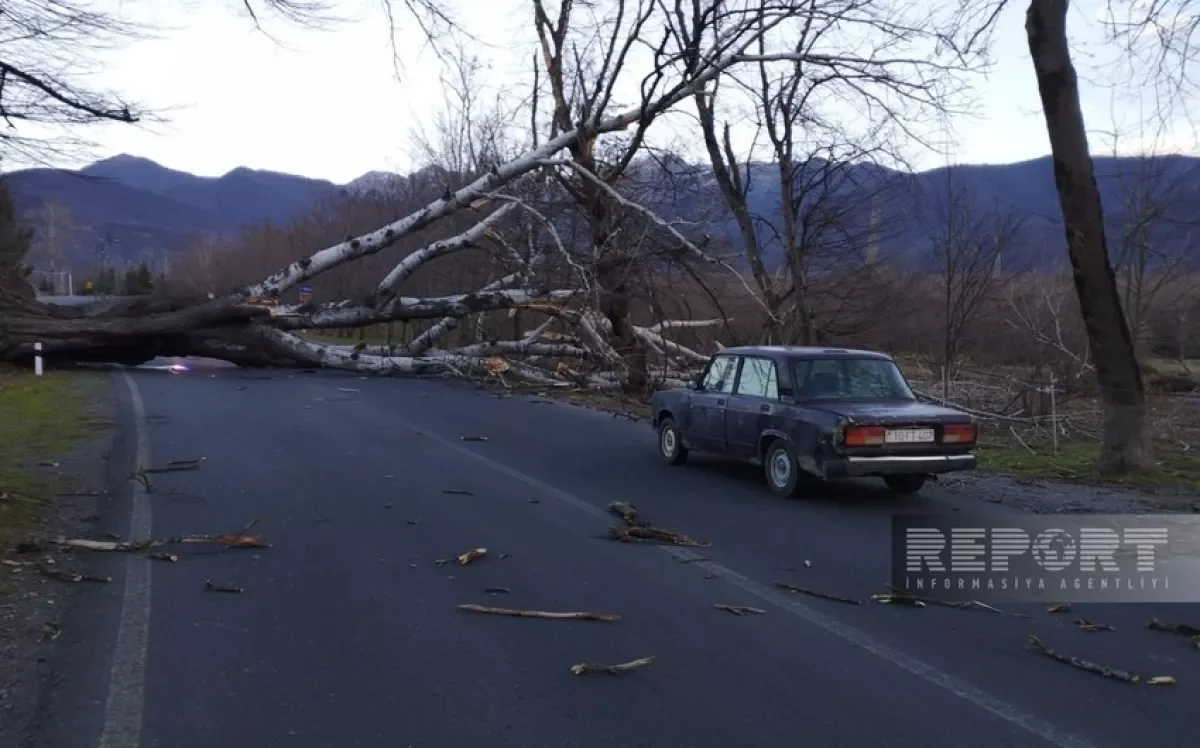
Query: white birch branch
[409, 265]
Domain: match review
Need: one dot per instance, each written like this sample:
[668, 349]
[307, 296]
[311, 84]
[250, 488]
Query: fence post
[37, 359]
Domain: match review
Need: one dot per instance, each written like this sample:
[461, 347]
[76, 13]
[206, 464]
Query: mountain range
[130, 209]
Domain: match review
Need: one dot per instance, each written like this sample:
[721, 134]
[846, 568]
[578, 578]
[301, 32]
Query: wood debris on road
[474, 438]
[1086, 625]
[498, 590]
[168, 557]
[236, 539]
[637, 530]
[550, 615]
[739, 610]
[816, 593]
[1183, 629]
[457, 492]
[1102, 670]
[1161, 680]
[583, 668]
[175, 466]
[648, 534]
[213, 587]
[627, 512]
[1059, 608]
[463, 558]
[900, 597]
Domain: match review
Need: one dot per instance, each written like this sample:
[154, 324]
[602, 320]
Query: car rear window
[850, 379]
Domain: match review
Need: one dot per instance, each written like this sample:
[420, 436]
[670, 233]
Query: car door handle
[721, 401]
[765, 408]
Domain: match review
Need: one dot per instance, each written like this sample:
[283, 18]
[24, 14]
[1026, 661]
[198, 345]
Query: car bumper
[858, 467]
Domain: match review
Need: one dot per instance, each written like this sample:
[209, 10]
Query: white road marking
[126, 682]
[914, 665]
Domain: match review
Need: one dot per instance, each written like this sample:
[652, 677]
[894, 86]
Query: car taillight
[864, 436]
[958, 433]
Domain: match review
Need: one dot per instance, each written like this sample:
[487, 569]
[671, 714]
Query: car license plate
[902, 436]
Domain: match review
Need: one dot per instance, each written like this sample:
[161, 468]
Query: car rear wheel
[670, 445]
[905, 484]
[783, 473]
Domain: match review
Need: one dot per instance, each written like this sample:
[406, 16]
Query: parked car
[809, 414]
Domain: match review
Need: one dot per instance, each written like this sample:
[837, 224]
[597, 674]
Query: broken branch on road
[637, 530]
[899, 597]
[740, 610]
[175, 466]
[235, 539]
[815, 593]
[627, 512]
[463, 558]
[647, 534]
[1182, 629]
[1102, 670]
[550, 615]
[583, 668]
[1086, 625]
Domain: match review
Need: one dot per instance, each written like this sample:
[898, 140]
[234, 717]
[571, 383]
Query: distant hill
[147, 211]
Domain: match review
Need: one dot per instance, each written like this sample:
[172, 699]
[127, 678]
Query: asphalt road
[347, 633]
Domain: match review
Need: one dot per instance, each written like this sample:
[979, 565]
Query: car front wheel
[905, 484]
[783, 473]
[670, 445]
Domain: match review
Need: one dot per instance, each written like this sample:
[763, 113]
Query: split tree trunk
[1126, 443]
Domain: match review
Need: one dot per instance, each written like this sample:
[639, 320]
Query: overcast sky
[328, 104]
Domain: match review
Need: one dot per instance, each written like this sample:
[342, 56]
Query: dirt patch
[56, 433]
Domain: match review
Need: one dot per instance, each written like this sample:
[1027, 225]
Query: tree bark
[1126, 443]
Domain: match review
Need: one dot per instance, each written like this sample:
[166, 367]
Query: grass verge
[40, 418]
[1076, 463]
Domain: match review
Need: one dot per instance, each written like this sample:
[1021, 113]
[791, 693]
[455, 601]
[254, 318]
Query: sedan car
[810, 414]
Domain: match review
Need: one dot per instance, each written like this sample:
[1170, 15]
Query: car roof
[803, 352]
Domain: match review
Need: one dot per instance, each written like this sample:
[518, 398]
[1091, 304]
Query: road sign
[305, 293]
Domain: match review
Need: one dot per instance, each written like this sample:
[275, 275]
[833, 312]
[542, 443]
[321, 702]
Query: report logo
[1095, 558]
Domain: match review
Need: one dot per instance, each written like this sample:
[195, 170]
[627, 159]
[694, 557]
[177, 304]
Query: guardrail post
[37, 359]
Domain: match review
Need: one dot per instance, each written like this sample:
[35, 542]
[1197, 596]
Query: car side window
[719, 377]
[758, 379]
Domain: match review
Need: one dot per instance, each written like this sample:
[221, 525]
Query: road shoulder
[1022, 491]
[56, 437]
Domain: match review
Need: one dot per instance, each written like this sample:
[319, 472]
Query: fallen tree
[590, 291]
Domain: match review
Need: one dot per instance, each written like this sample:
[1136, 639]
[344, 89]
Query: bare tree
[1154, 223]
[580, 149]
[968, 248]
[1126, 445]
[829, 197]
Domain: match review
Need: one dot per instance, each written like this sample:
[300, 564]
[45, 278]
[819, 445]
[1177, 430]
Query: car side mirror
[695, 384]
